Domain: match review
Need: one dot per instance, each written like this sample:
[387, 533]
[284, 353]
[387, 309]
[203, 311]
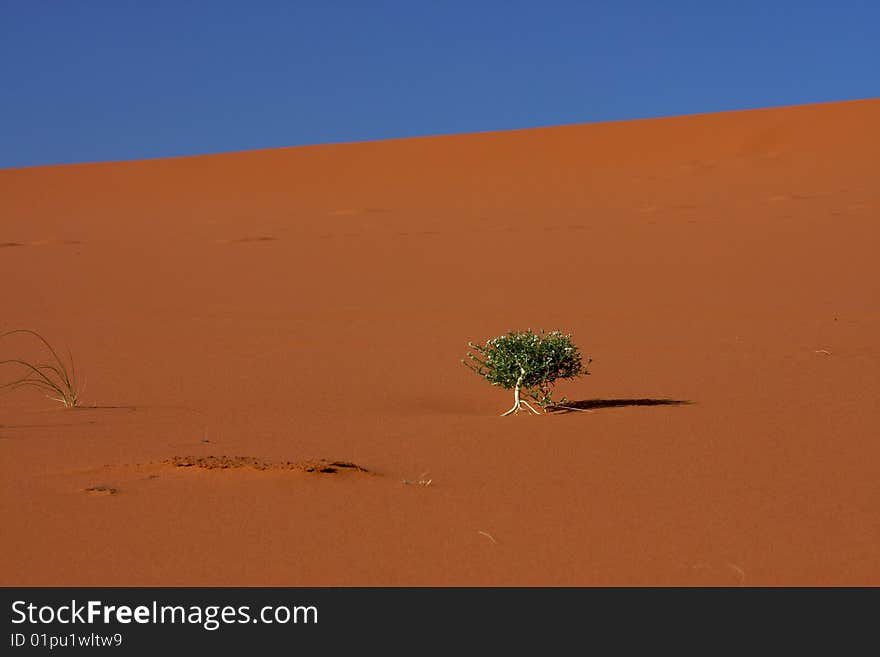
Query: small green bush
[527, 362]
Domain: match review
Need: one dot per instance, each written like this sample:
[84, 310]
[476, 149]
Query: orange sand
[299, 304]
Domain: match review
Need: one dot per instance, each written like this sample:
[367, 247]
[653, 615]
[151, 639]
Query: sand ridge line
[345, 212]
[321, 466]
[248, 239]
[40, 243]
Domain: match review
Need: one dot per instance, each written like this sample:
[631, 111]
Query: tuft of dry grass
[489, 536]
[53, 378]
[422, 481]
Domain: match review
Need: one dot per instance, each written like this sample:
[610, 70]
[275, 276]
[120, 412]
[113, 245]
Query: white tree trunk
[517, 402]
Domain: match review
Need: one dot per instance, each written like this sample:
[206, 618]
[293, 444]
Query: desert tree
[528, 363]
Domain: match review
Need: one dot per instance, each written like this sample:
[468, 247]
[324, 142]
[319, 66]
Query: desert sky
[285, 309]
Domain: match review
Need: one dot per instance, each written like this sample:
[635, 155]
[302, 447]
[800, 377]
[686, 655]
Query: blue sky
[100, 80]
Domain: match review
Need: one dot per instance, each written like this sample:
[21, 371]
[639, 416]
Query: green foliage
[53, 378]
[531, 361]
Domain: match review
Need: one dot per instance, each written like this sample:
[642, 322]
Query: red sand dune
[292, 305]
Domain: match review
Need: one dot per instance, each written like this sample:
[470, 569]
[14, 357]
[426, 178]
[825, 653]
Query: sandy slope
[313, 303]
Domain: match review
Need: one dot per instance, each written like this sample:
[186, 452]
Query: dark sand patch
[232, 462]
[102, 490]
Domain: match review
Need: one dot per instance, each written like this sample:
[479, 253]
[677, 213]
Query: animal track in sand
[320, 466]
